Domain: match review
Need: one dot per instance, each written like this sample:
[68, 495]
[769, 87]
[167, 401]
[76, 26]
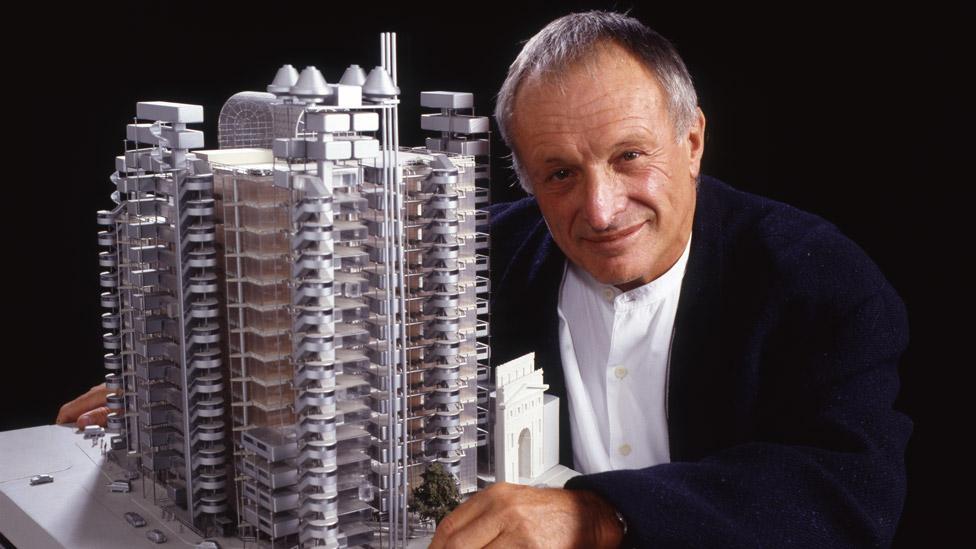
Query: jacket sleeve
[827, 469]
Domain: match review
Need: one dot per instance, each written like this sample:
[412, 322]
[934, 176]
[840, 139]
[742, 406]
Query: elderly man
[728, 363]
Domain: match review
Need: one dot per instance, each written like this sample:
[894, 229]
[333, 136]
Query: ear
[696, 144]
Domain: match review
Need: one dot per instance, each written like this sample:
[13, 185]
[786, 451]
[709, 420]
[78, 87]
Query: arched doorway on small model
[525, 453]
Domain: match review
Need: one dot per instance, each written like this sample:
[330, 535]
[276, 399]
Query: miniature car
[94, 431]
[120, 486]
[135, 519]
[208, 544]
[156, 536]
[41, 479]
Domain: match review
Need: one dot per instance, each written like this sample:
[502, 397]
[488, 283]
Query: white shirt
[615, 348]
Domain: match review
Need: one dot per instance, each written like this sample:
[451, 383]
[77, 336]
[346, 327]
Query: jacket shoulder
[511, 226]
[511, 218]
[808, 258]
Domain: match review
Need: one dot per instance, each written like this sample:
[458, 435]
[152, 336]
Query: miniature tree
[437, 495]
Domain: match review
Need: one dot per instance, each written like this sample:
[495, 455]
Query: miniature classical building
[297, 321]
[526, 422]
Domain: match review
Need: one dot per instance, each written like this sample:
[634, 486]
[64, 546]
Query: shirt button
[624, 449]
[608, 293]
[620, 372]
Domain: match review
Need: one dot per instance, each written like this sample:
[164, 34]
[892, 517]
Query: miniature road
[146, 508]
[76, 510]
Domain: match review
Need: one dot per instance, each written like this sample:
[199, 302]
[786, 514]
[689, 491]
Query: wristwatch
[623, 522]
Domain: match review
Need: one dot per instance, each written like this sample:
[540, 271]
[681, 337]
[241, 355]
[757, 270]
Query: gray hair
[573, 38]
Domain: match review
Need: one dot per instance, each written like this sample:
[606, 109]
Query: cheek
[558, 217]
[681, 200]
[646, 189]
[664, 198]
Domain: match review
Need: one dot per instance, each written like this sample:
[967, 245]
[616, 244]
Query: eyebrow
[637, 138]
[631, 140]
[555, 160]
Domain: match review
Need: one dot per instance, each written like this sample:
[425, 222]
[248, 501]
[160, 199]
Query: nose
[605, 197]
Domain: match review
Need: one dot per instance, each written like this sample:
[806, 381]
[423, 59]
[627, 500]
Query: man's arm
[513, 515]
[829, 472]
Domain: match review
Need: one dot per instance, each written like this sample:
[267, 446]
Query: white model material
[526, 422]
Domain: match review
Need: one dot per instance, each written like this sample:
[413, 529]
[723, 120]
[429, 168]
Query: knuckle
[528, 536]
[502, 490]
[446, 527]
[453, 544]
[511, 516]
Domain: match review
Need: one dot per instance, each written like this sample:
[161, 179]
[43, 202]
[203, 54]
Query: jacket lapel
[544, 282]
[696, 393]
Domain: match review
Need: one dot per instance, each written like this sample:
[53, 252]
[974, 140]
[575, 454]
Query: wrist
[610, 526]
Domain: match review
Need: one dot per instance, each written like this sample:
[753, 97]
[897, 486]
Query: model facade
[297, 321]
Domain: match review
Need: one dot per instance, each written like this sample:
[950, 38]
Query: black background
[852, 115]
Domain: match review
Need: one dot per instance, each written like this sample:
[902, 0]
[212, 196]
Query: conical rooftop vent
[283, 80]
[354, 76]
[311, 83]
[379, 84]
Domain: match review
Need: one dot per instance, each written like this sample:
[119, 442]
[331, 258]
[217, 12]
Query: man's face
[615, 187]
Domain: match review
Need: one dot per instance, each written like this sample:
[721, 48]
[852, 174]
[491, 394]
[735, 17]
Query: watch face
[623, 523]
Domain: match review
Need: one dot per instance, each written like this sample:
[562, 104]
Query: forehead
[607, 91]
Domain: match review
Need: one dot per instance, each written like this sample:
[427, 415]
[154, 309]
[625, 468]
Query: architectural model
[297, 322]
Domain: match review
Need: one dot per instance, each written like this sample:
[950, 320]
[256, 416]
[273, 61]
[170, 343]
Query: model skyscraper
[298, 321]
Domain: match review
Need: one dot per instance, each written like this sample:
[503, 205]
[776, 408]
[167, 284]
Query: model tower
[298, 320]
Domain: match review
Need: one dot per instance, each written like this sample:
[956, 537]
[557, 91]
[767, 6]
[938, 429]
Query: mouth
[616, 243]
[618, 236]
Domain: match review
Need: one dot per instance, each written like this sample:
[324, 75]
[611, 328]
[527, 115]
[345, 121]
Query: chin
[614, 277]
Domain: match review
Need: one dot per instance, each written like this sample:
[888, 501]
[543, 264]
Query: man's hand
[88, 409]
[513, 515]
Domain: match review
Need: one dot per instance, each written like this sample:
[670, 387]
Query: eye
[630, 155]
[560, 175]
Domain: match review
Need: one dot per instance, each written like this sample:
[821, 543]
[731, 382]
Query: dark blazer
[784, 369]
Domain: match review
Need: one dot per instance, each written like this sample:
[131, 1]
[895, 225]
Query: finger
[455, 520]
[475, 507]
[98, 416]
[487, 529]
[94, 398]
[504, 541]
